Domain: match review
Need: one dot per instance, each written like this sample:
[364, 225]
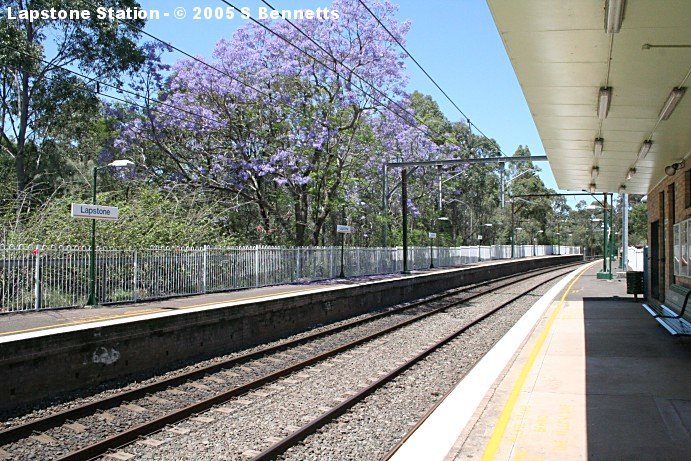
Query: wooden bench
[674, 314]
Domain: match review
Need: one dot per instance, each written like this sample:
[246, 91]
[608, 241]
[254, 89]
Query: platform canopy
[565, 59]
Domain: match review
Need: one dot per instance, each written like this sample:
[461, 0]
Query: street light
[470, 209]
[506, 183]
[606, 272]
[513, 221]
[491, 242]
[92, 256]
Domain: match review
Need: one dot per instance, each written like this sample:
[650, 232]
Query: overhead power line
[267, 94]
[222, 72]
[352, 71]
[53, 66]
[417, 63]
[189, 55]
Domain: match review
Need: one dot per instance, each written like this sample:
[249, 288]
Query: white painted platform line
[437, 435]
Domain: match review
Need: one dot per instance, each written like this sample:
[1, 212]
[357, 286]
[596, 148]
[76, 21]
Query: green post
[604, 233]
[343, 220]
[612, 237]
[92, 255]
[404, 207]
[605, 273]
[558, 239]
[342, 274]
[513, 230]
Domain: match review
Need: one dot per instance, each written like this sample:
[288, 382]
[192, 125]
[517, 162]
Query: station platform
[586, 374]
[30, 323]
[23, 323]
[49, 353]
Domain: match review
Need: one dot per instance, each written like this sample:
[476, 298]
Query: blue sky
[455, 40]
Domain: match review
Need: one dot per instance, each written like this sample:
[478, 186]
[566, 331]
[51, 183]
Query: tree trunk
[23, 93]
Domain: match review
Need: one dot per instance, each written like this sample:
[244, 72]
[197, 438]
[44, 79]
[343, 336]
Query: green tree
[638, 221]
[46, 111]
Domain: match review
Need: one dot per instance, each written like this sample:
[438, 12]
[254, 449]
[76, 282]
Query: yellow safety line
[500, 428]
[148, 311]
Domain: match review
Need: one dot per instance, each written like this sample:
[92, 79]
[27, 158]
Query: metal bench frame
[674, 322]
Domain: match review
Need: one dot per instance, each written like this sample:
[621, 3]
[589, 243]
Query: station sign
[344, 229]
[102, 213]
[479, 237]
[432, 235]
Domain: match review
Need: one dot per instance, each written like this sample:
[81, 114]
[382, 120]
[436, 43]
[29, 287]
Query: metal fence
[43, 277]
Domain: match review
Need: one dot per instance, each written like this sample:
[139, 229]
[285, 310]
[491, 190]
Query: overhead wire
[264, 93]
[223, 72]
[352, 71]
[189, 55]
[120, 89]
[318, 61]
[417, 63]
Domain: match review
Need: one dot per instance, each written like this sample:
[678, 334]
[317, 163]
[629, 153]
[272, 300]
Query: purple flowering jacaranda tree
[267, 122]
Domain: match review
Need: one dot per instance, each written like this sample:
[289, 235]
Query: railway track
[312, 426]
[66, 433]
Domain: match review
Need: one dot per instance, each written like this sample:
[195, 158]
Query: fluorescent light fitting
[645, 148]
[630, 174]
[594, 172]
[597, 148]
[672, 101]
[614, 15]
[604, 98]
[592, 187]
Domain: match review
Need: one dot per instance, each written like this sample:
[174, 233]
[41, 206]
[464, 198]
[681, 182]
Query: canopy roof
[563, 56]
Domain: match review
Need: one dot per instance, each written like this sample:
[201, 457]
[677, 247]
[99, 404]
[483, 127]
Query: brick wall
[675, 193]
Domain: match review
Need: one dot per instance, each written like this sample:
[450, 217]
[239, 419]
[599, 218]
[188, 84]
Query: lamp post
[558, 238]
[92, 254]
[470, 209]
[404, 208]
[606, 272]
[432, 235]
[513, 220]
[491, 242]
[540, 231]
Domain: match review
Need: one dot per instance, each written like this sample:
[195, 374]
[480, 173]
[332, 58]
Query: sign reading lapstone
[432, 235]
[344, 229]
[103, 213]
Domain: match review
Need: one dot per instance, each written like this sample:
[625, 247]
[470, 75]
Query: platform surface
[607, 382]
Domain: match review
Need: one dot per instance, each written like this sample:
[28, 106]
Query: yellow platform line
[149, 311]
[500, 428]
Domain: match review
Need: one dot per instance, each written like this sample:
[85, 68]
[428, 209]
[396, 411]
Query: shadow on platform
[638, 384]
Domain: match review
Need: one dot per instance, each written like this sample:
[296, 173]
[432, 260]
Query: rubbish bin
[634, 283]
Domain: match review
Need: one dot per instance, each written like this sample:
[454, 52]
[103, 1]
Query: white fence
[41, 277]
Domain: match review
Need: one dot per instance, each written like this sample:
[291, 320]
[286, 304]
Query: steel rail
[22, 431]
[125, 437]
[311, 427]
